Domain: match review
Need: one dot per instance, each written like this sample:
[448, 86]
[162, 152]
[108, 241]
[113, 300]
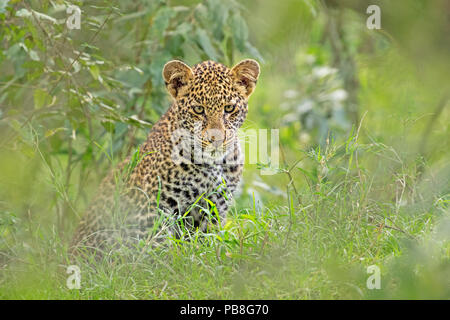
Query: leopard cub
[189, 166]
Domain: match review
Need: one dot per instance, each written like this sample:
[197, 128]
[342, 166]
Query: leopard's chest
[186, 183]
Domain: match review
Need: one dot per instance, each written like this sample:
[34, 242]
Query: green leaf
[33, 55]
[240, 31]
[161, 21]
[206, 45]
[51, 132]
[109, 126]
[41, 98]
[95, 71]
[191, 51]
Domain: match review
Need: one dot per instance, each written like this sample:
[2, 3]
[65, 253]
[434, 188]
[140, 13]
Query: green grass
[315, 242]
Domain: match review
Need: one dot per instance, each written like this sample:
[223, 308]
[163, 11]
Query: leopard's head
[211, 99]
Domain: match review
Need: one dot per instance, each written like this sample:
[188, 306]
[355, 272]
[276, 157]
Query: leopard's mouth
[213, 148]
[215, 151]
[225, 144]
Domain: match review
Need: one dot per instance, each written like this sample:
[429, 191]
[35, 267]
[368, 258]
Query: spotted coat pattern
[166, 182]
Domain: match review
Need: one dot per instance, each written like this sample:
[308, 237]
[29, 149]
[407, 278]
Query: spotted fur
[166, 180]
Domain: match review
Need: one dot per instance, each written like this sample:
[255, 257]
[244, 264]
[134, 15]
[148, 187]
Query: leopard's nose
[215, 137]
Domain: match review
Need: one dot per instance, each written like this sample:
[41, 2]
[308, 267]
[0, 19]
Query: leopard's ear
[177, 76]
[245, 75]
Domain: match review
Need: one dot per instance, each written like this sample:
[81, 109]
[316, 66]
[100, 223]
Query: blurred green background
[363, 116]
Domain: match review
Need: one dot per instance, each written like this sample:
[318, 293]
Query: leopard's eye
[199, 109]
[230, 108]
